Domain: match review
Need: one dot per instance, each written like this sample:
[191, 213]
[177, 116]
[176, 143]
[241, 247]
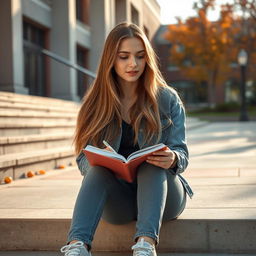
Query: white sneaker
[143, 248]
[75, 249]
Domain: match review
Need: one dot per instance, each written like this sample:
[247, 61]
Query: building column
[63, 43]
[102, 20]
[11, 47]
[121, 13]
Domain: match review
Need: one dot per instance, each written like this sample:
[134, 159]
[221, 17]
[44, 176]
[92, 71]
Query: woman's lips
[132, 73]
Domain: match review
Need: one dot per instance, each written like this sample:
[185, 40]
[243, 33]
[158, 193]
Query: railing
[68, 63]
[37, 59]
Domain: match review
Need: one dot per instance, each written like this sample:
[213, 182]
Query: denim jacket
[172, 135]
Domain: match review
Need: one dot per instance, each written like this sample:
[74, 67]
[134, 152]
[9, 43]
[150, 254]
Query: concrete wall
[11, 47]
[63, 43]
[151, 14]
[38, 11]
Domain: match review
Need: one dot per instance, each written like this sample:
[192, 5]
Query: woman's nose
[133, 62]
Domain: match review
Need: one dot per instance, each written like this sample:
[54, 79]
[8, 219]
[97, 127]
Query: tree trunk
[212, 88]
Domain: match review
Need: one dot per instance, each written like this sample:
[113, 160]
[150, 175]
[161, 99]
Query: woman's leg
[121, 205]
[176, 198]
[98, 187]
[160, 194]
[151, 197]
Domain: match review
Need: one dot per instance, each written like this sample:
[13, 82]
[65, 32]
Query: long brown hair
[100, 115]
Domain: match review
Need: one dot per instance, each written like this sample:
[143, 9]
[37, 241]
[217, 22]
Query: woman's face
[130, 60]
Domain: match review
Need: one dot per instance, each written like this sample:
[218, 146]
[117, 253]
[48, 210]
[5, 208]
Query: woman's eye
[123, 57]
[141, 57]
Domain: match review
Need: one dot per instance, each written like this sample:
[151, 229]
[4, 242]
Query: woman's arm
[82, 163]
[177, 138]
[175, 157]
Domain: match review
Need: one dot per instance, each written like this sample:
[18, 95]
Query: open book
[124, 168]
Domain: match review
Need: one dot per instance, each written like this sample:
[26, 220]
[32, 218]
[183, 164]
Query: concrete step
[38, 119]
[219, 219]
[32, 123]
[38, 107]
[182, 235]
[14, 113]
[18, 164]
[17, 144]
[22, 98]
[29, 128]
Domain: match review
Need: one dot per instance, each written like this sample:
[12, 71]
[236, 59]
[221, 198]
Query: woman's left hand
[163, 158]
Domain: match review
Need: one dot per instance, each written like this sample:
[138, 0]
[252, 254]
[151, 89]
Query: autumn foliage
[205, 50]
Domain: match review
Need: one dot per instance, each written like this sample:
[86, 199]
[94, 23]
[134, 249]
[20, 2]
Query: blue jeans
[156, 195]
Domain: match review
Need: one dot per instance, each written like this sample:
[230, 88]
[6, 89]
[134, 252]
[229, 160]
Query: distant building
[73, 29]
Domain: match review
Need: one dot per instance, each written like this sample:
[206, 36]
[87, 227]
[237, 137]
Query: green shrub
[227, 107]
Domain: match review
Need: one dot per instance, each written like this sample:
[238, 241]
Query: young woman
[130, 106]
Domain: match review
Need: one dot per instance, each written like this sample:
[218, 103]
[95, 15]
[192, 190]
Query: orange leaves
[7, 180]
[41, 172]
[30, 174]
[61, 166]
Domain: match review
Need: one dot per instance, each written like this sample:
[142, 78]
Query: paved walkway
[222, 172]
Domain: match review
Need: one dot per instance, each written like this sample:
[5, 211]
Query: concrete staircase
[35, 133]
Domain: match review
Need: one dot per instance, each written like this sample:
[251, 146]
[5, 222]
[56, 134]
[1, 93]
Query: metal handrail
[68, 63]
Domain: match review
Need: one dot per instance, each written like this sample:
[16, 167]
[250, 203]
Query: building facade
[73, 29]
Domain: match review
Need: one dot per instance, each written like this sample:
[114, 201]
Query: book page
[103, 152]
[145, 151]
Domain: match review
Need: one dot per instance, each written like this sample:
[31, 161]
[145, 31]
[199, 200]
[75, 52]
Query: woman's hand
[108, 149]
[163, 158]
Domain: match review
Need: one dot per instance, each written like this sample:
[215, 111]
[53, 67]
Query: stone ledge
[14, 97]
[180, 235]
[45, 108]
[189, 214]
[16, 159]
[34, 114]
[45, 124]
[18, 131]
[34, 138]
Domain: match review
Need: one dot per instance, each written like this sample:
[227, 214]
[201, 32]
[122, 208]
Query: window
[82, 79]
[146, 31]
[135, 15]
[82, 11]
[34, 62]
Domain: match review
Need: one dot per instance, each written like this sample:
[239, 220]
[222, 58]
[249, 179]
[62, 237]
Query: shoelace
[140, 249]
[72, 249]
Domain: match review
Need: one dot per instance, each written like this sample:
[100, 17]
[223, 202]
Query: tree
[203, 49]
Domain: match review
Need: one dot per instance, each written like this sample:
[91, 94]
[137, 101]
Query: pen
[107, 145]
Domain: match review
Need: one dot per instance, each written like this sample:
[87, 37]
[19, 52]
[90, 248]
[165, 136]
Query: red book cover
[122, 167]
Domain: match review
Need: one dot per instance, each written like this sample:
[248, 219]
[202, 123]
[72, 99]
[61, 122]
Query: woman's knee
[99, 172]
[176, 198]
[98, 176]
[173, 211]
[147, 170]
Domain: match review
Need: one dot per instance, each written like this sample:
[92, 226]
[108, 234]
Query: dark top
[126, 146]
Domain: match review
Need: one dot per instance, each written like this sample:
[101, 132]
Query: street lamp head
[242, 57]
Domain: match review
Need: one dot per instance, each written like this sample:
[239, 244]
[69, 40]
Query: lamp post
[242, 60]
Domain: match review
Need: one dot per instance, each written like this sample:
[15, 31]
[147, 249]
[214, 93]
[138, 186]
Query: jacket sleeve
[82, 163]
[177, 138]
